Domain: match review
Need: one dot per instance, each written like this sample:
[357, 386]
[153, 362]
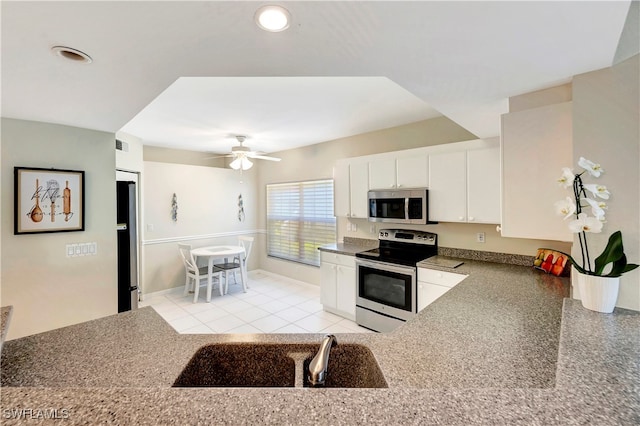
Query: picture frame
[48, 200]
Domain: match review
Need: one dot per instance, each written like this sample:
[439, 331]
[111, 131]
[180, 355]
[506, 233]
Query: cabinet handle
[439, 275]
[460, 217]
[471, 218]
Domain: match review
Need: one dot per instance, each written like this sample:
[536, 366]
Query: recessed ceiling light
[273, 18]
[72, 54]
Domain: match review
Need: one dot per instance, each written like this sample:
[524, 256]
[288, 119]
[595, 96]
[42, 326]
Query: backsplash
[361, 242]
[487, 256]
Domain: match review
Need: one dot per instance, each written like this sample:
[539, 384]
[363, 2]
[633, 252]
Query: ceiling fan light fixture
[272, 18]
[241, 163]
[246, 163]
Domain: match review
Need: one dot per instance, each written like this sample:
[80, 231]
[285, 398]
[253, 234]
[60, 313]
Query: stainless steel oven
[386, 294]
[387, 278]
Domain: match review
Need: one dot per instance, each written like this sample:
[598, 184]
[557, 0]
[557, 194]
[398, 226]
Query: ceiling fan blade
[264, 157]
[218, 156]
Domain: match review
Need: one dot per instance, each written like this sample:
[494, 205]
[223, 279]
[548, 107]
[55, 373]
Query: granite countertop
[504, 346]
[5, 319]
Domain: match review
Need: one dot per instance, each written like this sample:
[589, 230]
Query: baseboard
[252, 273]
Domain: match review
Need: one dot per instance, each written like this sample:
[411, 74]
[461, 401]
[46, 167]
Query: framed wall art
[48, 200]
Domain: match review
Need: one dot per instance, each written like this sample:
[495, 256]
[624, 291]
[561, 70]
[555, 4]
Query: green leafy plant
[614, 251]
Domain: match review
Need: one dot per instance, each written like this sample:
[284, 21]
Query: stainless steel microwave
[399, 206]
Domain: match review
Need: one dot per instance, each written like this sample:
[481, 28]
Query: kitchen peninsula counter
[502, 347]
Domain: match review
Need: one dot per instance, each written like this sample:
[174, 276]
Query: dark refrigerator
[127, 246]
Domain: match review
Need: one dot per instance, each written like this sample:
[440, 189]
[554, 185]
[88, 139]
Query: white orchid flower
[585, 223]
[596, 208]
[594, 169]
[598, 190]
[566, 180]
[565, 207]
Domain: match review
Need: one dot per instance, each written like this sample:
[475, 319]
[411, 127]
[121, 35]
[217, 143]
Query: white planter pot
[598, 293]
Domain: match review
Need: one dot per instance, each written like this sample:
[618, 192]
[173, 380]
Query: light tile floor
[272, 304]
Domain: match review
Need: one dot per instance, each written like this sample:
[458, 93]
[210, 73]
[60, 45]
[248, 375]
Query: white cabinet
[483, 185]
[536, 145]
[338, 284]
[448, 187]
[390, 171]
[465, 185]
[359, 187]
[350, 187]
[432, 284]
[413, 172]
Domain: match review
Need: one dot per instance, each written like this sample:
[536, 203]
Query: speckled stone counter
[502, 347]
[5, 319]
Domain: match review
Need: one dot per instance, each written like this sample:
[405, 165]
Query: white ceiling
[275, 113]
[463, 59]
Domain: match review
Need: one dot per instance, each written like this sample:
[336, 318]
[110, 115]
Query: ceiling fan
[242, 154]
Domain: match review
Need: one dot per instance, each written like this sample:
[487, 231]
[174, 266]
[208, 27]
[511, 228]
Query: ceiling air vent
[122, 146]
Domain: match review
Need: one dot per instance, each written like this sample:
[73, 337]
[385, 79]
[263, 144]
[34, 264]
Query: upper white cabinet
[464, 186]
[463, 180]
[483, 185]
[448, 187]
[350, 187]
[413, 172]
[359, 187]
[536, 145]
[382, 173]
[399, 172]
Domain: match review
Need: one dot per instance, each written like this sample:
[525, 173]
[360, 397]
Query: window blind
[300, 219]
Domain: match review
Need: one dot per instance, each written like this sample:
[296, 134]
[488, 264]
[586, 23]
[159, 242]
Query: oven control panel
[408, 236]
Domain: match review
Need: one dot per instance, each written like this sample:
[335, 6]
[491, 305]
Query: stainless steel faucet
[319, 363]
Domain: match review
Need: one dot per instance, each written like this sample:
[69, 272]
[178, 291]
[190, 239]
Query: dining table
[221, 252]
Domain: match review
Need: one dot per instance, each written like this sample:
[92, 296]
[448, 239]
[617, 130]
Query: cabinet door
[412, 172]
[328, 285]
[382, 173]
[428, 293]
[483, 185]
[346, 291]
[448, 187]
[341, 201]
[359, 186]
[536, 145]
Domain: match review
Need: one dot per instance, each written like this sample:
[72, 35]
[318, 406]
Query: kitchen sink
[278, 365]
[351, 366]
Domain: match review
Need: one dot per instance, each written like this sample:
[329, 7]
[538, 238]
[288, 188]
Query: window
[300, 219]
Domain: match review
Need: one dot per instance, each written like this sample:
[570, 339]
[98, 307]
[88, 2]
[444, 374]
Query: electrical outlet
[480, 237]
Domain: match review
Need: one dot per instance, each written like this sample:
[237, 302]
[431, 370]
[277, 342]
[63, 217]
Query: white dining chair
[234, 265]
[195, 274]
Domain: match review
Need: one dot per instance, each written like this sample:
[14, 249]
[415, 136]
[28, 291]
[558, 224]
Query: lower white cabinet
[433, 283]
[338, 284]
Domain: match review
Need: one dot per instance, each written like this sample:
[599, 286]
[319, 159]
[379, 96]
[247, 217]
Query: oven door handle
[408, 270]
[406, 208]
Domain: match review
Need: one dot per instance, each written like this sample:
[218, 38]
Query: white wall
[130, 158]
[48, 289]
[207, 215]
[606, 130]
